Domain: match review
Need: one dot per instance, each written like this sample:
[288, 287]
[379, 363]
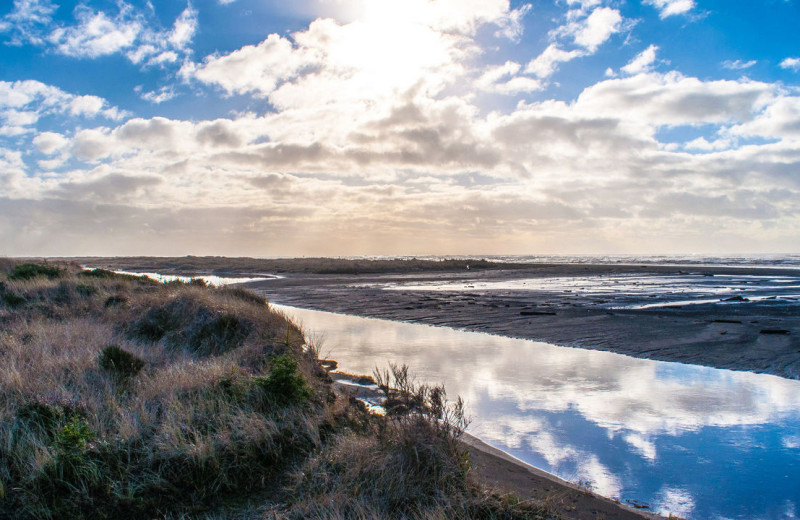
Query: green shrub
[86, 290]
[120, 363]
[156, 323]
[211, 335]
[283, 384]
[39, 415]
[12, 300]
[73, 437]
[113, 301]
[29, 271]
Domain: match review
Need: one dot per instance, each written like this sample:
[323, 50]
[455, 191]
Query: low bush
[113, 301]
[85, 290]
[284, 384]
[157, 322]
[120, 363]
[211, 335]
[30, 271]
[12, 300]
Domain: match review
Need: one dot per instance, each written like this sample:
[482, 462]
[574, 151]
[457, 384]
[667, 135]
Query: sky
[399, 127]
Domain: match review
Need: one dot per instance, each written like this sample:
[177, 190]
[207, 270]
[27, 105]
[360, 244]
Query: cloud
[594, 30]
[376, 134]
[738, 64]
[156, 96]
[394, 49]
[546, 64]
[673, 99]
[184, 28]
[668, 8]
[643, 61]
[22, 103]
[780, 119]
[254, 68]
[26, 20]
[511, 26]
[588, 33]
[502, 79]
[50, 142]
[97, 33]
[791, 64]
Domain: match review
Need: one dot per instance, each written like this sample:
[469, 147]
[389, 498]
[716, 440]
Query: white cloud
[780, 119]
[585, 4]
[598, 27]
[22, 103]
[511, 26]
[791, 63]
[502, 79]
[88, 106]
[668, 8]
[588, 33]
[50, 142]
[378, 119]
[184, 28]
[546, 64]
[95, 35]
[703, 145]
[157, 96]
[738, 64]
[643, 61]
[26, 20]
[673, 99]
[254, 68]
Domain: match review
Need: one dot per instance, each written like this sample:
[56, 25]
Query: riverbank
[749, 321]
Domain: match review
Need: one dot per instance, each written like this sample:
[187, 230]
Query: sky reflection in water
[693, 441]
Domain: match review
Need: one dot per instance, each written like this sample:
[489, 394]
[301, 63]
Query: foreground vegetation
[125, 398]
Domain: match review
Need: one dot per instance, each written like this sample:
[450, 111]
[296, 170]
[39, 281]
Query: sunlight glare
[392, 45]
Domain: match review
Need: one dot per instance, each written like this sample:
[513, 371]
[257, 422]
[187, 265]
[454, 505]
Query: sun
[392, 44]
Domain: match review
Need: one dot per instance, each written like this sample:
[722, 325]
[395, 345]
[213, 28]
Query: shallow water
[697, 442]
[210, 279]
[629, 290]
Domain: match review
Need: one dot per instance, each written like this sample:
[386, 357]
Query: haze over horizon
[399, 127]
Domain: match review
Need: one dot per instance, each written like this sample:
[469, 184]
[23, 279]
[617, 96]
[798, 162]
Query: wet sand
[760, 335]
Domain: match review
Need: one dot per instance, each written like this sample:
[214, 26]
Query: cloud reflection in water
[634, 428]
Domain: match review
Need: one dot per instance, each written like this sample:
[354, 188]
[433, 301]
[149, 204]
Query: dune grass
[125, 398]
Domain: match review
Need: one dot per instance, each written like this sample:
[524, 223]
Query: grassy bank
[125, 398]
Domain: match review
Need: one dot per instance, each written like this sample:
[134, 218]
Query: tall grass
[124, 398]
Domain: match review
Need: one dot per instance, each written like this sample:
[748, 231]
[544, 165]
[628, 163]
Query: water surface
[698, 442]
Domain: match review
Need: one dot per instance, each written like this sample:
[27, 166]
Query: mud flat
[734, 317]
[724, 317]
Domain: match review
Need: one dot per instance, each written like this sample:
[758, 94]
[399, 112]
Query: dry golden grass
[221, 402]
